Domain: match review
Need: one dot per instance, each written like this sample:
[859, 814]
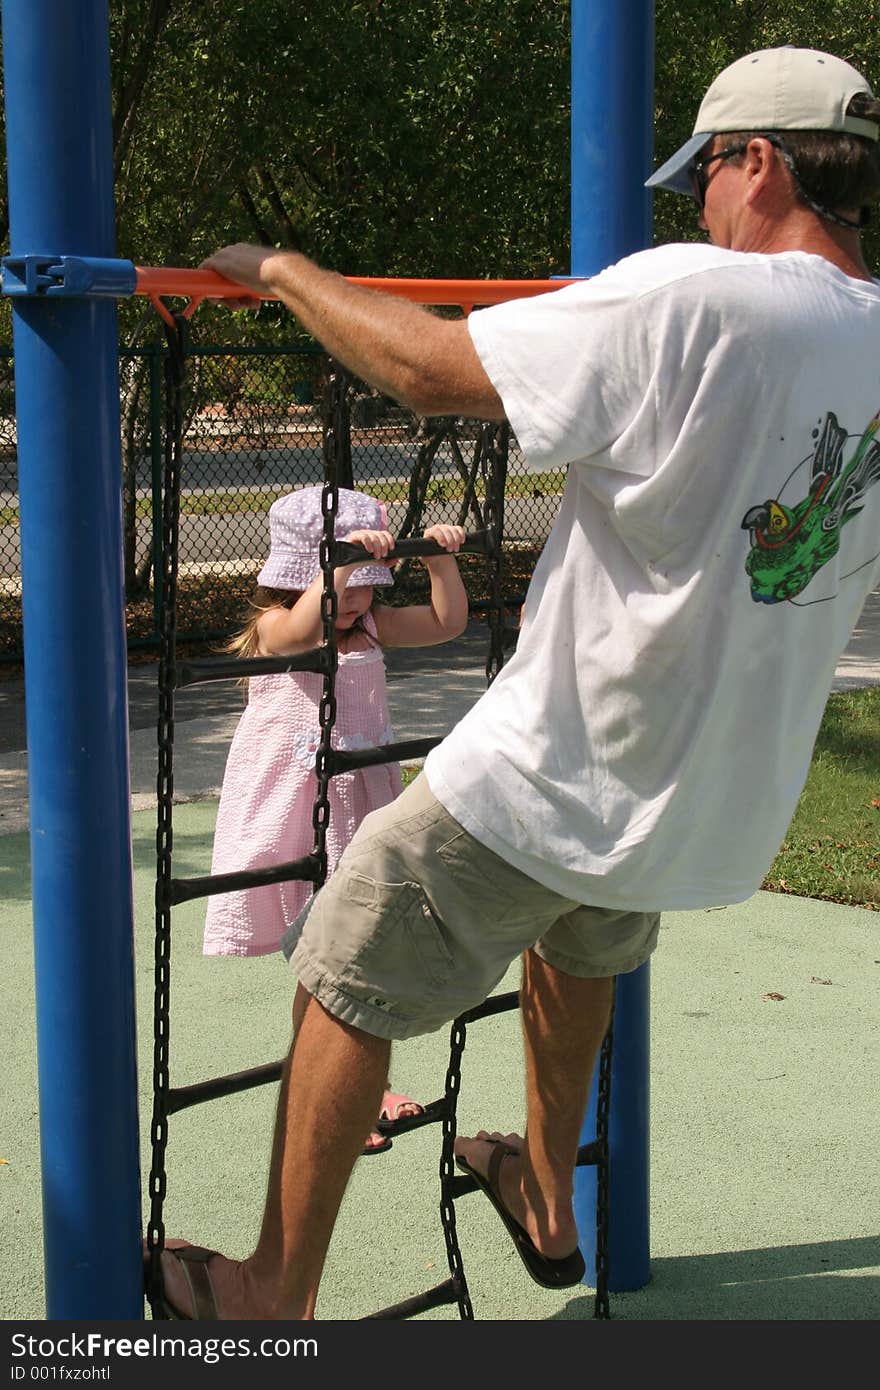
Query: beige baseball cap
[775, 89]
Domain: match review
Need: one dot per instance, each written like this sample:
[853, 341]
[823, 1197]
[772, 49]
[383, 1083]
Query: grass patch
[532, 485]
[235, 502]
[832, 848]
[536, 486]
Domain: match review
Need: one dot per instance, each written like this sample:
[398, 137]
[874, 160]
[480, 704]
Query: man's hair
[832, 169]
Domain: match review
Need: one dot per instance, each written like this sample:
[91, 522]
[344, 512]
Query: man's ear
[763, 165]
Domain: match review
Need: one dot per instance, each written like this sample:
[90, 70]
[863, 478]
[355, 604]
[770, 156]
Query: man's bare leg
[564, 1021]
[300, 1004]
[403, 1105]
[314, 1150]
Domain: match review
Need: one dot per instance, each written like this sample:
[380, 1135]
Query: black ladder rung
[183, 890]
[447, 1292]
[222, 668]
[495, 1004]
[343, 760]
[589, 1154]
[484, 605]
[180, 1097]
[475, 543]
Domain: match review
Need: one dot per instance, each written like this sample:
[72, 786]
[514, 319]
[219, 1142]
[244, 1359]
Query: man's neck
[803, 230]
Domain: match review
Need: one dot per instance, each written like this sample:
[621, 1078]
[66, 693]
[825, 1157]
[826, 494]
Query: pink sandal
[392, 1104]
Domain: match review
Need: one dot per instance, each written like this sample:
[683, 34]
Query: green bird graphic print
[790, 544]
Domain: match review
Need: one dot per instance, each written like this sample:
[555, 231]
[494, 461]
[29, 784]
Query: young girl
[269, 786]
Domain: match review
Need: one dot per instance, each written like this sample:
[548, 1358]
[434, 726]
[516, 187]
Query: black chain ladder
[492, 458]
[169, 890]
[165, 570]
[333, 439]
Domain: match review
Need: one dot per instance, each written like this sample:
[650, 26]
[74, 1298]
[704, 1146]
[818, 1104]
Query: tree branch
[250, 207]
[130, 91]
[276, 203]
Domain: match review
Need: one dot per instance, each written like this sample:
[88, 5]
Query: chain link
[165, 568]
[492, 445]
[457, 1039]
[334, 427]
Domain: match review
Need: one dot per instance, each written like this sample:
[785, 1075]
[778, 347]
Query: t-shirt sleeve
[571, 367]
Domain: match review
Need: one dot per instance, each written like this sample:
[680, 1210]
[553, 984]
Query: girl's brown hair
[246, 641]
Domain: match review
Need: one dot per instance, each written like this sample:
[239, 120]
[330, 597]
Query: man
[717, 408]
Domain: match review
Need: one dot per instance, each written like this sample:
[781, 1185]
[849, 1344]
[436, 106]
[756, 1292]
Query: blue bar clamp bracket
[74, 276]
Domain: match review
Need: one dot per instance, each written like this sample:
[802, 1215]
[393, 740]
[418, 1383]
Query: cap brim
[674, 173]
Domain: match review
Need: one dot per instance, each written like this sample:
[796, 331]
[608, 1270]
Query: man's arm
[428, 363]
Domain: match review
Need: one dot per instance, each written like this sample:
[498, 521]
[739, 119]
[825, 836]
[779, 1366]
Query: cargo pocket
[397, 956]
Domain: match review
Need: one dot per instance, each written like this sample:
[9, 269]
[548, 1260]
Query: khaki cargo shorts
[420, 921]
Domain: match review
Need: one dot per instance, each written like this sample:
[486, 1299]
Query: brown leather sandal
[193, 1260]
[551, 1274]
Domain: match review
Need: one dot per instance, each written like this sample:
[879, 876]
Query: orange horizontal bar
[207, 284]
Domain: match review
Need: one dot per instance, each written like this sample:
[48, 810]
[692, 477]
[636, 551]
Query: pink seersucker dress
[269, 788]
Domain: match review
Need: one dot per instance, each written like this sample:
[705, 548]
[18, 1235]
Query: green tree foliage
[385, 137]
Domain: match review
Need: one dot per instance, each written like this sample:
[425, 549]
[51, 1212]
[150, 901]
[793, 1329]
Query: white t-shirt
[646, 745]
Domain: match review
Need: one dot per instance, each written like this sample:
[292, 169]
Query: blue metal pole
[612, 123]
[57, 82]
[612, 130]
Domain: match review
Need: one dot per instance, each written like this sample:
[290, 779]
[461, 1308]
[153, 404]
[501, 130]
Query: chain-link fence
[255, 427]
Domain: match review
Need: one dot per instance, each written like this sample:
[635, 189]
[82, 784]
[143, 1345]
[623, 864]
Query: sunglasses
[697, 172]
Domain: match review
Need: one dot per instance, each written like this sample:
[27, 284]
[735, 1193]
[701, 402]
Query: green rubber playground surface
[764, 1123]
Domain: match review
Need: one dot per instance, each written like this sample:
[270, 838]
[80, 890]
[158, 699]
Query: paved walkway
[764, 1123]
